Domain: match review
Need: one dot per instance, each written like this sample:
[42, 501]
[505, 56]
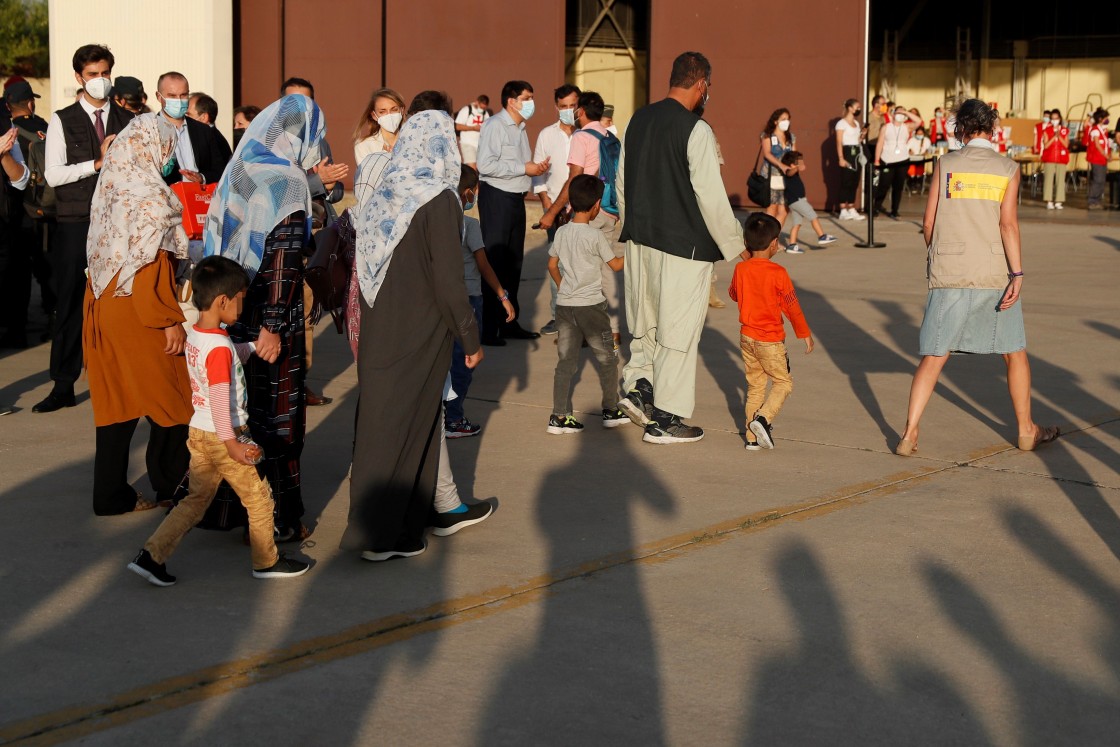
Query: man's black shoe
[147, 568]
[55, 401]
[517, 332]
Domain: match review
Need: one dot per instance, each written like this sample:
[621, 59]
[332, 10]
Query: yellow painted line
[176, 692]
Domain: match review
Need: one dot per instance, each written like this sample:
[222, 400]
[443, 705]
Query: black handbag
[328, 270]
[758, 186]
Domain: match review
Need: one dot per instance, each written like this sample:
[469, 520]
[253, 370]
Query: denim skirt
[965, 320]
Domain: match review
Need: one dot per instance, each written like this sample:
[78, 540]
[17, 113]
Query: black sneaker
[404, 551]
[461, 429]
[673, 432]
[638, 403]
[445, 525]
[761, 429]
[156, 573]
[559, 426]
[614, 418]
[283, 568]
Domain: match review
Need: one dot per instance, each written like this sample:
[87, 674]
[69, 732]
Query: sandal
[143, 504]
[1042, 436]
[906, 447]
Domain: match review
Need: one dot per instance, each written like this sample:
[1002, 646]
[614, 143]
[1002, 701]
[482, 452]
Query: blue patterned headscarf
[266, 181]
[424, 163]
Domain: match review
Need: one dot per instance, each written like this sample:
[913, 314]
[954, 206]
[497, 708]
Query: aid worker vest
[967, 249]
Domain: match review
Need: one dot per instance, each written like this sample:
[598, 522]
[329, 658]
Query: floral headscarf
[134, 215]
[424, 163]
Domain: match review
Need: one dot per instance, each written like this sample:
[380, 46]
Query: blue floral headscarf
[424, 163]
[266, 181]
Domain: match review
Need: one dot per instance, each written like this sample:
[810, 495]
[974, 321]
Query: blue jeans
[461, 375]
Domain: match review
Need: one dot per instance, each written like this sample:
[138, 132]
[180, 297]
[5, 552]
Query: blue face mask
[468, 204]
[528, 108]
[567, 116]
[175, 108]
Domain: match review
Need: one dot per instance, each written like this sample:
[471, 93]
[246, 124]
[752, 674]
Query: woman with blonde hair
[380, 124]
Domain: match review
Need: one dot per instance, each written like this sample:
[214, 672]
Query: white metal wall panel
[148, 38]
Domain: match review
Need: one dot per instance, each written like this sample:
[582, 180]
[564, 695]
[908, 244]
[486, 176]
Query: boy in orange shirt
[764, 292]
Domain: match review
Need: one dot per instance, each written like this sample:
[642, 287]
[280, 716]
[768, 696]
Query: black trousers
[892, 176]
[21, 257]
[849, 178]
[502, 215]
[68, 267]
[167, 460]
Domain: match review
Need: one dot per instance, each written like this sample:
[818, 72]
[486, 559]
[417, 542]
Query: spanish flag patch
[969, 186]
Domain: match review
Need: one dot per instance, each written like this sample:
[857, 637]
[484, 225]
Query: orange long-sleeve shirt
[764, 292]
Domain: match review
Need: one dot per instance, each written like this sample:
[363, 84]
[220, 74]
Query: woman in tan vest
[975, 272]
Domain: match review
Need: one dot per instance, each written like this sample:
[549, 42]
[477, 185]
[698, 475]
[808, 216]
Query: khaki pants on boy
[762, 361]
[210, 464]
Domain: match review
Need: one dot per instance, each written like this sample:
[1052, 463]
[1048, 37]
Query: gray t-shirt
[472, 242]
[582, 251]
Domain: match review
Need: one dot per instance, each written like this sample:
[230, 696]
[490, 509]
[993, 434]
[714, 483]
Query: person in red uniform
[1094, 136]
[1054, 147]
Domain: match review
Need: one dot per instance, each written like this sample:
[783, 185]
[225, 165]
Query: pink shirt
[584, 149]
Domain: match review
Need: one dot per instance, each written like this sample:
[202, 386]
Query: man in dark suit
[202, 153]
[204, 109]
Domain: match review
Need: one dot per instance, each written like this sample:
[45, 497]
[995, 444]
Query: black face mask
[237, 135]
[857, 112]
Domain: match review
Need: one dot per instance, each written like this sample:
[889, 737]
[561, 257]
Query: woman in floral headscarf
[132, 334]
[260, 218]
[413, 302]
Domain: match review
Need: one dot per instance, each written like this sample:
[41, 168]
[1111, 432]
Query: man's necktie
[99, 127]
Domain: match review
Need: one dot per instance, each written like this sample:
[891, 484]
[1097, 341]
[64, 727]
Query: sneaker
[638, 403]
[794, 249]
[845, 214]
[752, 446]
[461, 429]
[826, 239]
[614, 418]
[559, 426]
[761, 429]
[407, 551]
[445, 525]
[1049, 206]
[550, 328]
[856, 215]
[1058, 206]
[674, 432]
[155, 573]
[283, 568]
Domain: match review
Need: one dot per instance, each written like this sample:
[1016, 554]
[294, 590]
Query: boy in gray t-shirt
[575, 262]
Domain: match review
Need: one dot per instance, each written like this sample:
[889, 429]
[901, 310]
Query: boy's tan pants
[762, 361]
[210, 464]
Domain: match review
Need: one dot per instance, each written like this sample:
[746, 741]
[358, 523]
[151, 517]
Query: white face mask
[390, 122]
[1055, 122]
[784, 125]
[98, 88]
[900, 118]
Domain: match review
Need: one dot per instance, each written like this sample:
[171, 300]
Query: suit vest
[81, 146]
[967, 248]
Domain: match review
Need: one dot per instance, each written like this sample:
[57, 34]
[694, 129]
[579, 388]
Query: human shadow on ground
[595, 632]
[818, 693]
[1109, 240]
[1104, 329]
[1051, 707]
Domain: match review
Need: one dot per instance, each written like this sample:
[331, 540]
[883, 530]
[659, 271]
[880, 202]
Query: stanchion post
[870, 203]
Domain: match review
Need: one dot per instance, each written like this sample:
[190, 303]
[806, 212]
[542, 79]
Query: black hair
[850, 103]
[250, 111]
[760, 230]
[513, 89]
[205, 104]
[92, 53]
[431, 101]
[584, 193]
[216, 276]
[301, 83]
[592, 105]
[974, 117]
[1100, 114]
[772, 124]
[1046, 111]
[791, 157]
[468, 178]
[483, 99]
[565, 91]
[1059, 113]
[688, 68]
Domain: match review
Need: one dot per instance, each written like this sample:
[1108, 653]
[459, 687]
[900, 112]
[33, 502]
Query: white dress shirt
[17, 156]
[503, 151]
[553, 144]
[184, 151]
[57, 172]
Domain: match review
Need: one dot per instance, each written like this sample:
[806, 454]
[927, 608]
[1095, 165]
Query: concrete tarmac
[825, 592]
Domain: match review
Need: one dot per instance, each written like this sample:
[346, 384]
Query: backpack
[610, 150]
[38, 197]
